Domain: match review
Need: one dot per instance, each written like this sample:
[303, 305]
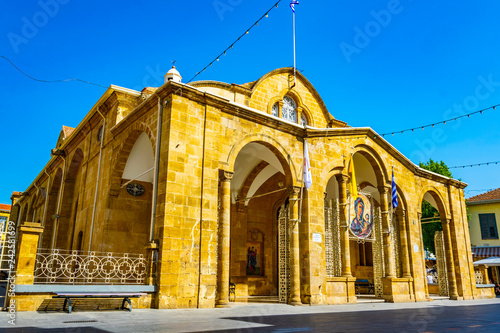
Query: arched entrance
[439, 266]
[259, 223]
[71, 191]
[366, 237]
[361, 254]
[130, 209]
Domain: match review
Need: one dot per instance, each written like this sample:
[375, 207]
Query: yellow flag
[353, 188]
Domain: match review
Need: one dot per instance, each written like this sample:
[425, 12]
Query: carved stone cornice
[384, 189]
[225, 176]
[342, 178]
[401, 213]
[294, 191]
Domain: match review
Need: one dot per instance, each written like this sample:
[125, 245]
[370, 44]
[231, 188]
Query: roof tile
[4, 207]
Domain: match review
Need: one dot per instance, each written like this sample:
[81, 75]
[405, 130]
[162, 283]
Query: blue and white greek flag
[394, 192]
[293, 3]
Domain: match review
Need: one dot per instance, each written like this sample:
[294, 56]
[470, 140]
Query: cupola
[173, 75]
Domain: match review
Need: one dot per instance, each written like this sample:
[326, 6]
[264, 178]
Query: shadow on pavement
[82, 329]
[477, 318]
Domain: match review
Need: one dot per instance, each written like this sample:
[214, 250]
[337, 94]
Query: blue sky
[390, 65]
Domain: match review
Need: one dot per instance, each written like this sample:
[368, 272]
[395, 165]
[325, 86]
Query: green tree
[429, 229]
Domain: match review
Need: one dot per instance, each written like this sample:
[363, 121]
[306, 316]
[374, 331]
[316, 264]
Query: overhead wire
[474, 165]
[247, 31]
[442, 122]
[49, 81]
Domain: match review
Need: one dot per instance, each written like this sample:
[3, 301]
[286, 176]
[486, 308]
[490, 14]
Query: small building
[484, 211]
[4, 215]
[184, 190]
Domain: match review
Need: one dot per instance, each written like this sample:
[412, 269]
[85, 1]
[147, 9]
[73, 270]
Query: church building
[194, 195]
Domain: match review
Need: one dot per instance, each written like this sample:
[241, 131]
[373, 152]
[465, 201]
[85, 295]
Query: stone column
[450, 263]
[224, 231]
[29, 232]
[405, 255]
[484, 272]
[151, 262]
[294, 247]
[299, 113]
[280, 109]
[390, 269]
[346, 251]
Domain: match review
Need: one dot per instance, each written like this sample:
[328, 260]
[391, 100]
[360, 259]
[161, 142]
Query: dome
[173, 75]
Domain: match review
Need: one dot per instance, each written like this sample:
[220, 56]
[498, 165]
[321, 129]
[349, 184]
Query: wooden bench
[126, 298]
[364, 284]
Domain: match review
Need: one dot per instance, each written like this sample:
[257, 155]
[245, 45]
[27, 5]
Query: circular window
[135, 189]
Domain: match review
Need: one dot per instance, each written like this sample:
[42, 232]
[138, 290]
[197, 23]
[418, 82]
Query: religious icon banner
[254, 254]
[360, 217]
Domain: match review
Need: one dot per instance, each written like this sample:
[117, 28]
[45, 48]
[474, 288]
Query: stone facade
[218, 164]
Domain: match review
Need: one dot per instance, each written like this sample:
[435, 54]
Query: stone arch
[56, 183]
[16, 208]
[31, 212]
[38, 205]
[438, 198]
[133, 133]
[53, 198]
[402, 242]
[375, 161]
[70, 196]
[272, 144]
[74, 165]
[307, 113]
[261, 167]
[402, 201]
[449, 247]
[24, 212]
[272, 101]
[293, 94]
[250, 178]
[298, 101]
[303, 80]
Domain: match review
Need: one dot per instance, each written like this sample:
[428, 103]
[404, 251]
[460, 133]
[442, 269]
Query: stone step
[257, 299]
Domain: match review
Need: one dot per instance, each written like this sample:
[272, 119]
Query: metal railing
[77, 267]
[479, 277]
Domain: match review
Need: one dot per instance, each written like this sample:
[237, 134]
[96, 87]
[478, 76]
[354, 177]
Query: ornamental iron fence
[78, 267]
[479, 277]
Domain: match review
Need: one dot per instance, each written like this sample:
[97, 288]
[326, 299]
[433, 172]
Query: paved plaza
[436, 316]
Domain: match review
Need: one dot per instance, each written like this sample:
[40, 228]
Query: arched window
[274, 110]
[303, 120]
[289, 111]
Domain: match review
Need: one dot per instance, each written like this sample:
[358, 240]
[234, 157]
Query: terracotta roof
[5, 207]
[491, 195]
[67, 131]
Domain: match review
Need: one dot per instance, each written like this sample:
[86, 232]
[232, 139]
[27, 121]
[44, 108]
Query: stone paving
[240, 317]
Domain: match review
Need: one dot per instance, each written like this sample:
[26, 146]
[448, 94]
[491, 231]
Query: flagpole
[294, 57]
[302, 186]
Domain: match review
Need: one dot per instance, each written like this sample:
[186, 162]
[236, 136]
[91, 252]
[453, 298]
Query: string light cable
[247, 31]
[483, 190]
[473, 165]
[442, 122]
[50, 81]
